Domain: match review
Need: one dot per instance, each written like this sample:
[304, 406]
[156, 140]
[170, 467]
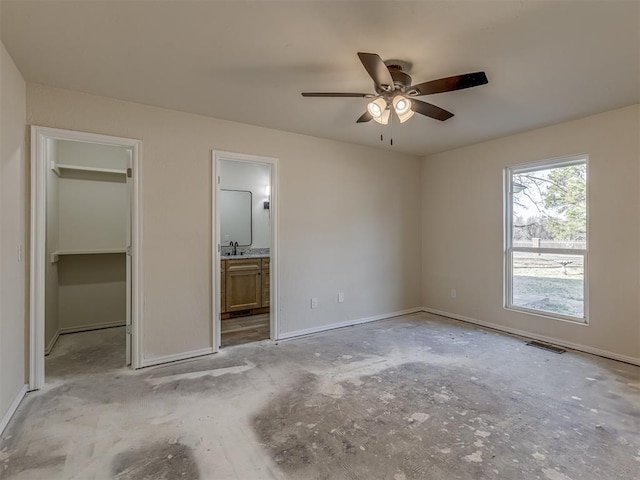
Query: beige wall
[93, 207]
[92, 155]
[354, 228]
[12, 231]
[462, 236]
[92, 214]
[92, 291]
[86, 211]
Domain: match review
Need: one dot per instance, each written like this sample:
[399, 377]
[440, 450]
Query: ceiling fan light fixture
[374, 109]
[402, 106]
[405, 116]
[377, 107]
[384, 118]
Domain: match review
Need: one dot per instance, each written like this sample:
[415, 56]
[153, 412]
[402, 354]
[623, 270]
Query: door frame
[216, 157]
[39, 166]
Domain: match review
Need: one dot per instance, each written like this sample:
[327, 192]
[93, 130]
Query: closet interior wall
[87, 204]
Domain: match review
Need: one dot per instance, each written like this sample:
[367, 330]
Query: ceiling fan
[395, 92]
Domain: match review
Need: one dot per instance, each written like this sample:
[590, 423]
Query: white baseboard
[12, 409]
[208, 351]
[534, 336]
[52, 343]
[95, 326]
[348, 323]
[176, 357]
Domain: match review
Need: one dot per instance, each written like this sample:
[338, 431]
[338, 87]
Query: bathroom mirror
[235, 217]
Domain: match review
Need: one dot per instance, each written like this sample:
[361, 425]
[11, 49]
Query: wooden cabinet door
[266, 282]
[243, 285]
[223, 286]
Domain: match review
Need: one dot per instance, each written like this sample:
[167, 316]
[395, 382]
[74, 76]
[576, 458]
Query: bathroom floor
[240, 330]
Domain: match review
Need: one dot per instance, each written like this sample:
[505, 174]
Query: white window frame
[509, 249]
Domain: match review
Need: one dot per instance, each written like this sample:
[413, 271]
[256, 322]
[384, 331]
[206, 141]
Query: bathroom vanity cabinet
[244, 286]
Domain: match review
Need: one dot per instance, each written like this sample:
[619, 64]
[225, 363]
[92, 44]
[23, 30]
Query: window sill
[583, 322]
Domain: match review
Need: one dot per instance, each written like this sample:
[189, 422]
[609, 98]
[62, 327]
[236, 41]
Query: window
[546, 238]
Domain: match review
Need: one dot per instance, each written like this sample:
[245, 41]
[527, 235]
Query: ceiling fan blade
[430, 110]
[377, 70]
[365, 117]
[449, 84]
[330, 94]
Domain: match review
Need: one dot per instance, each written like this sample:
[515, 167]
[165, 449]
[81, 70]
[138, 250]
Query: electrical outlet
[453, 293]
[340, 297]
[314, 302]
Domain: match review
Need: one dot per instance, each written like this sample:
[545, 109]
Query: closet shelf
[55, 255]
[60, 168]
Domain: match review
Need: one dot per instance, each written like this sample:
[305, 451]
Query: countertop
[246, 255]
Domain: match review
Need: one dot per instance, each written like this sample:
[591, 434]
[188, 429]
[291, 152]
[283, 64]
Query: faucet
[235, 247]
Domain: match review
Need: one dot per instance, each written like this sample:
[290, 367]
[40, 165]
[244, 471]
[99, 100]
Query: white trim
[553, 162]
[551, 251]
[12, 409]
[544, 338]
[39, 168]
[348, 323]
[509, 249]
[52, 343]
[36, 268]
[95, 326]
[177, 357]
[581, 322]
[216, 253]
[216, 157]
[137, 305]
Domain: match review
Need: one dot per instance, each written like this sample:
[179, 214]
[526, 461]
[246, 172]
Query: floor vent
[546, 346]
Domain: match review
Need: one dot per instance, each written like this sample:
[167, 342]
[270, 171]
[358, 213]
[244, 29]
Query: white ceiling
[547, 61]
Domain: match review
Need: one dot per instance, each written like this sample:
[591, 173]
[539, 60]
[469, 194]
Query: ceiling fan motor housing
[401, 79]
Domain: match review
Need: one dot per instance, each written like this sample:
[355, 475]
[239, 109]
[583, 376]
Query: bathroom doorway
[245, 249]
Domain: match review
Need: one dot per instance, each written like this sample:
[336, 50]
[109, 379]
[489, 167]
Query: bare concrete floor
[96, 351]
[416, 397]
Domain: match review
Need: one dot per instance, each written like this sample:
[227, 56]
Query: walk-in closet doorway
[84, 253]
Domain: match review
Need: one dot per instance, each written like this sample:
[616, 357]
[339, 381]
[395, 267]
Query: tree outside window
[547, 238]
